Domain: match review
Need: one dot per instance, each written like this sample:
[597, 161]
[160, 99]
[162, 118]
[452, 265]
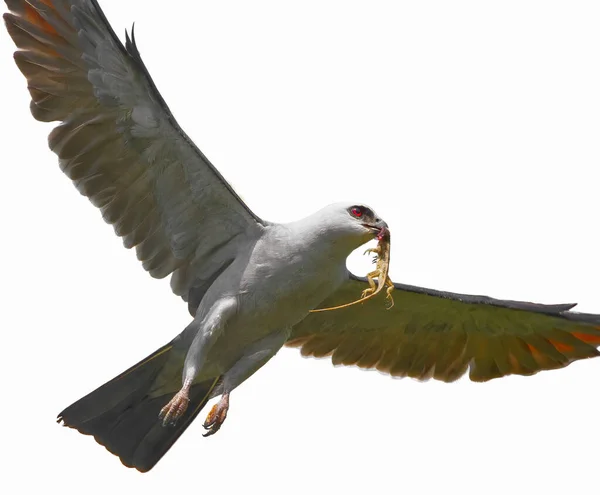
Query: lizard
[382, 260]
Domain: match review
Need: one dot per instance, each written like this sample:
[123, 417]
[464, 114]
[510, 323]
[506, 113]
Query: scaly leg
[373, 274]
[205, 332]
[217, 415]
[372, 285]
[176, 406]
[376, 250]
[388, 293]
[252, 360]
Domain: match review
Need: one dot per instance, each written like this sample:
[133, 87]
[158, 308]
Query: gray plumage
[250, 284]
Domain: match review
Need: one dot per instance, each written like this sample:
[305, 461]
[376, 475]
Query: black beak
[379, 227]
[381, 224]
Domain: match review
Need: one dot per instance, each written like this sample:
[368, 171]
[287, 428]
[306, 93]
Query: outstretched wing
[437, 334]
[121, 146]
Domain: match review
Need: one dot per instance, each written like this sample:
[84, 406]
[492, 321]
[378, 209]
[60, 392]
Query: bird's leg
[176, 406]
[253, 359]
[217, 415]
[206, 331]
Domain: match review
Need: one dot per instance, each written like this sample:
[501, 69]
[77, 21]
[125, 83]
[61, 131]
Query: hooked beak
[379, 228]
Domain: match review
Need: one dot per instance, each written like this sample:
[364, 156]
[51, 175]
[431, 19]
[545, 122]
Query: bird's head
[351, 223]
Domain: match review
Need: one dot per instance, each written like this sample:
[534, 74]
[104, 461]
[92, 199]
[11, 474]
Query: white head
[346, 224]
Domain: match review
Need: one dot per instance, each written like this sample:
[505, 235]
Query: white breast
[288, 275]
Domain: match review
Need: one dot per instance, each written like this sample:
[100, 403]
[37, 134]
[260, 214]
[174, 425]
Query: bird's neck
[320, 239]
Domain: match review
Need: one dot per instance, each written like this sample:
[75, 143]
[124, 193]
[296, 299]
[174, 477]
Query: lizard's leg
[372, 285]
[252, 359]
[376, 250]
[206, 331]
[388, 292]
[373, 274]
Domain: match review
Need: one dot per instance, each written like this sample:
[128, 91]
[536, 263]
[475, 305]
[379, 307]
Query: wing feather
[119, 143]
[441, 335]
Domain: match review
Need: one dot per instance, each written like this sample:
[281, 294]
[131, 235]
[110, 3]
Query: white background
[471, 127]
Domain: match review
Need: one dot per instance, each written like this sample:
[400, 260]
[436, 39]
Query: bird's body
[251, 285]
[273, 283]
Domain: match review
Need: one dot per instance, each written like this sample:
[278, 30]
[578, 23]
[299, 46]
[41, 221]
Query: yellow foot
[216, 416]
[388, 296]
[376, 250]
[366, 292]
[175, 408]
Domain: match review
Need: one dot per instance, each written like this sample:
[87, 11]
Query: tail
[122, 416]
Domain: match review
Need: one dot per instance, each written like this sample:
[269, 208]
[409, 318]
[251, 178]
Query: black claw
[209, 433]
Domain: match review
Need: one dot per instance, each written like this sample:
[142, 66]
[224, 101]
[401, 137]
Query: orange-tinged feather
[32, 16]
[560, 347]
[514, 362]
[587, 338]
[540, 358]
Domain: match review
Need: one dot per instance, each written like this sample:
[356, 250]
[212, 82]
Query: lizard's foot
[388, 295]
[216, 416]
[175, 408]
[376, 250]
[366, 292]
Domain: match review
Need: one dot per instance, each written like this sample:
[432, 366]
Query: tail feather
[123, 417]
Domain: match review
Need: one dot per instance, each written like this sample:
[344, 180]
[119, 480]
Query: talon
[217, 415]
[176, 408]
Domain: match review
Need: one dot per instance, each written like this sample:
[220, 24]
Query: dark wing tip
[547, 309]
[581, 317]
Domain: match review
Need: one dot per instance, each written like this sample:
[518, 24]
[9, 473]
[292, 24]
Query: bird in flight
[251, 286]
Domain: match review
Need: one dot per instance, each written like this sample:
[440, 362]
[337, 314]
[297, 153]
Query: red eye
[357, 212]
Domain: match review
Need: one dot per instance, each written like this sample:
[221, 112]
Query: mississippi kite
[250, 285]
